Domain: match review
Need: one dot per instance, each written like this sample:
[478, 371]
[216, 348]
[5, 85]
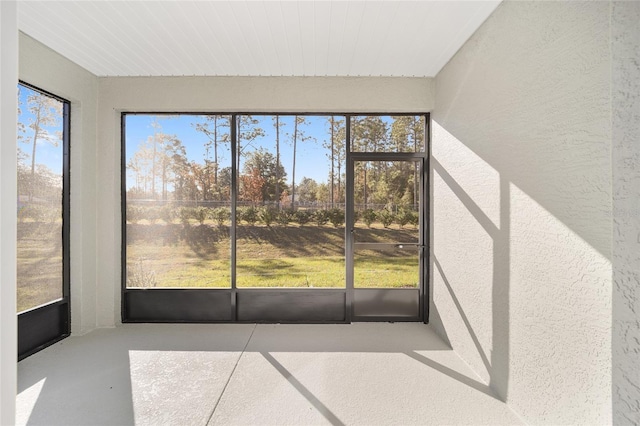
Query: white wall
[8, 194]
[46, 69]
[522, 208]
[626, 207]
[220, 94]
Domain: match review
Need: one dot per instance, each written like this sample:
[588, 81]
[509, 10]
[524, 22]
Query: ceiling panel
[255, 38]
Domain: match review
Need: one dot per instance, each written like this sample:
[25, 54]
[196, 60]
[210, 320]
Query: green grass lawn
[39, 264]
[173, 255]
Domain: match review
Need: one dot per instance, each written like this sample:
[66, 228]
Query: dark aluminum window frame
[47, 324]
[271, 305]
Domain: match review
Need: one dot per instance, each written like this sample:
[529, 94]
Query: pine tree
[47, 115]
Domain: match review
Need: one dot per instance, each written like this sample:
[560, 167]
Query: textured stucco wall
[522, 208]
[8, 194]
[221, 94]
[50, 71]
[626, 206]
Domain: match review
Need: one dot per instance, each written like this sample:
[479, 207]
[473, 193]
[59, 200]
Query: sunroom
[311, 212]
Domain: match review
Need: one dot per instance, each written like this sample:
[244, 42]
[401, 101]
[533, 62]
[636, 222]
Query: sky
[46, 153]
[311, 157]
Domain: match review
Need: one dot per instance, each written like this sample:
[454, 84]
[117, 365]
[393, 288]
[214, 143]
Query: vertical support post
[234, 205]
[348, 229]
[425, 221]
[66, 213]
[123, 217]
[8, 219]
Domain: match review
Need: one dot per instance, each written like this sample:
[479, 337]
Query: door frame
[421, 158]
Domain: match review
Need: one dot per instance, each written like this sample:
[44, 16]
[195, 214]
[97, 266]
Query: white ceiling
[255, 38]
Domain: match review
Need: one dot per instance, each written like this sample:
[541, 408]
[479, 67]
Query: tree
[336, 153]
[247, 133]
[172, 152]
[407, 133]
[322, 193]
[161, 158]
[134, 166]
[277, 124]
[298, 134]
[253, 185]
[21, 129]
[263, 163]
[44, 183]
[307, 190]
[184, 184]
[224, 182]
[369, 134]
[46, 118]
[202, 175]
[213, 128]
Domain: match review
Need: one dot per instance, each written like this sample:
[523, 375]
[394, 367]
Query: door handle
[403, 245]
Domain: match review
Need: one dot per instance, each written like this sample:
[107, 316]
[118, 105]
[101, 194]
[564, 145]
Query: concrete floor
[243, 374]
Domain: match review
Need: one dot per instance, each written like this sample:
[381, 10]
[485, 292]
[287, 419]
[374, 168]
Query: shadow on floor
[175, 374]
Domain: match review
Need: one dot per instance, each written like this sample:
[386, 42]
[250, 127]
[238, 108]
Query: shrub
[151, 214]
[38, 213]
[186, 213]
[134, 214]
[407, 217]
[356, 216]
[369, 216]
[386, 217]
[302, 217]
[414, 218]
[268, 215]
[51, 214]
[284, 217]
[250, 215]
[167, 214]
[201, 214]
[138, 277]
[336, 217]
[221, 215]
[321, 217]
[403, 217]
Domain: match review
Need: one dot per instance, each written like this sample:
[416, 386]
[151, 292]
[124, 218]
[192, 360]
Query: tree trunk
[332, 161]
[36, 131]
[339, 180]
[153, 168]
[215, 153]
[164, 180]
[365, 186]
[277, 194]
[415, 170]
[293, 172]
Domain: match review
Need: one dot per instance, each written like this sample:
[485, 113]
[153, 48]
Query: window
[278, 217]
[43, 218]
[290, 194]
[178, 198]
[290, 227]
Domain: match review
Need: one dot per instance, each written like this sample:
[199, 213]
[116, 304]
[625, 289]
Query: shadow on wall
[518, 283]
[521, 184]
[497, 363]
